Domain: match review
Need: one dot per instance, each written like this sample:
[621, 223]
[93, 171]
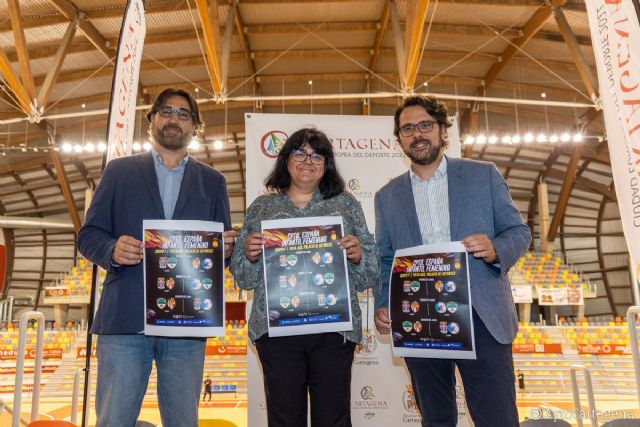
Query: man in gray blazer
[444, 199]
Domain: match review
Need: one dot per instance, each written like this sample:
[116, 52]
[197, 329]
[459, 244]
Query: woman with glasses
[306, 183]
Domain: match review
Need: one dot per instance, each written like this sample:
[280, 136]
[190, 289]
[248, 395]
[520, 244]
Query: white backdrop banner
[367, 156]
[615, 35]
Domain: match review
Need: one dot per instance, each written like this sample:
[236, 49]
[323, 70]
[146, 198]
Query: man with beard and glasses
[165, 183]
[443, 199]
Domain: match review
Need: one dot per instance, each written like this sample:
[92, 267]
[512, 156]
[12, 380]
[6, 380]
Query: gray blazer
[479, 202]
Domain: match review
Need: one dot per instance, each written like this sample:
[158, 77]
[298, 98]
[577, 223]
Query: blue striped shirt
[169, 181]
[431, 197]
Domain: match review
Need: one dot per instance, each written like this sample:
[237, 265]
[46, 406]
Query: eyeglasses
[424, 126]
[182, 113]
[301, 156]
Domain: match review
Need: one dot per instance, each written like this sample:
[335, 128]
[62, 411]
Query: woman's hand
[351, 245]
[253, 246]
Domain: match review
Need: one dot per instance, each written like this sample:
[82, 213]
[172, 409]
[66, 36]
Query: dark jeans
[488, 385]
[318, 365]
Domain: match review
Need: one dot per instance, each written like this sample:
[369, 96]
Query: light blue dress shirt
[431, 197]
[169, 181]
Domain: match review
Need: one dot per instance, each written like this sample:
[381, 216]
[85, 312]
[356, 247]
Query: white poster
[522, 294]
[184, 278]
[305, 276]
[367, 156]
[430, 302]
[615, 36]
[124, 88]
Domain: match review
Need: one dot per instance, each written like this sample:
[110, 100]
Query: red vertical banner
[124, 88]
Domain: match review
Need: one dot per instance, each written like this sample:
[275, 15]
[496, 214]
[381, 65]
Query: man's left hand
[481, 247]
[229, 240]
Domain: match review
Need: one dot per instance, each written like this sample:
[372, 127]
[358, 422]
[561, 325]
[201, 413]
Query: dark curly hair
[434, 108]
[331, 183]
[195, 110]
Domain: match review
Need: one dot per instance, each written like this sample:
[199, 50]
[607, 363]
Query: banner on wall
[522, 294]
[615, 35]
[560, 295]
[367, 156]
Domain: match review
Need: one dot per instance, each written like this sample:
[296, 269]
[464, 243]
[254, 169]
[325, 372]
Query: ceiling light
[493, 139]
[218, 144]
[542, 138]
[146, 146]
[67, 148]
[194, 144]
[506, 139]
[469, 140]
[102, 147]
[89, 147]
[137, 146]
[577, 137]
[554, 138]
[481, 139]
[516, 139]
[77, 148]
[528, 137]
[565, 137]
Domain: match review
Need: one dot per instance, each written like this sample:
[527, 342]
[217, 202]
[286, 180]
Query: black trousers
[315, 367]
[489, 385]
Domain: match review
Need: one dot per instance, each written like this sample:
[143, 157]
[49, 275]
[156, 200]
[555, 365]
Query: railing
[5, 407]
[74, 397]
[22, 344]
[590, 396]
[6, 310]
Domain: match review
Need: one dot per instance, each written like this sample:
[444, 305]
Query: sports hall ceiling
[280, 54]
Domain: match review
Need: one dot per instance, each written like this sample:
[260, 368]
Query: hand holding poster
[305, 276]
[430, 302]
[184, 278]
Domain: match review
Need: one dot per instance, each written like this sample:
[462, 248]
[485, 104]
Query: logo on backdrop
[355, 188]
[368, 403]
[367, 393]
[409, 399]
[367, 344]
[272, 142]
[412, 415]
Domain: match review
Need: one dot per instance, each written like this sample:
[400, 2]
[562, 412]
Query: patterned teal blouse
[248, 275]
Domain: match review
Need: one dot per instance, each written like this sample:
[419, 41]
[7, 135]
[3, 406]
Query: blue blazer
[127, 194]
[479, 202]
